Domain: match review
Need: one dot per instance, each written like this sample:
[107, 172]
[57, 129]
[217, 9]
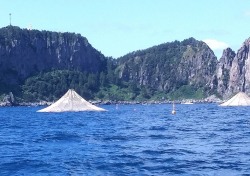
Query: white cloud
[215, 44]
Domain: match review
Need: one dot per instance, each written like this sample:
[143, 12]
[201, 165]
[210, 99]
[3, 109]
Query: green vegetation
[43, 65]
[187, 92]
[50, 86]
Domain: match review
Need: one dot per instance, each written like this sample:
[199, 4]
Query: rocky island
[40, 66]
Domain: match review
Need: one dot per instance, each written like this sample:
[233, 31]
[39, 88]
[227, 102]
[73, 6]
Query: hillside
[24, 53]
[188, 69]
[43, 65]
[185, 66]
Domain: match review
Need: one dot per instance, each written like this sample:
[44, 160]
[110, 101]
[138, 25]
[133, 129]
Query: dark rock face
[25, 52]
[169, 66]
[165, 67]
[233, 71]
[223, 70]
[190, 62]
[240, 70]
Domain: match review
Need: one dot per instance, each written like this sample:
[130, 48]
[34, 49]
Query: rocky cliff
[223, 71]
[169, 66]
[26, 52]
[233, 71]
[164, 68]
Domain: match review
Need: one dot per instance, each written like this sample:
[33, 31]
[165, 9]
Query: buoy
[173, 111]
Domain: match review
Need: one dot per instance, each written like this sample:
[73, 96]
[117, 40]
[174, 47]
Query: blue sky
[117, 27]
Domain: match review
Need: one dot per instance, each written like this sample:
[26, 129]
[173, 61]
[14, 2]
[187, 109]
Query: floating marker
[173, 111]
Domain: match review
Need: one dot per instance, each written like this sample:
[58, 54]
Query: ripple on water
[60, 136]
[201, 139]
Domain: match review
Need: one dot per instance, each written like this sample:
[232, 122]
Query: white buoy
[173, 111]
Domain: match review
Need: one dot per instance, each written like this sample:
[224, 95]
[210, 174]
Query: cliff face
[166, 67]
[190, 62]
[26, 52]
[237, 68]
[223, 71]
[169, 66]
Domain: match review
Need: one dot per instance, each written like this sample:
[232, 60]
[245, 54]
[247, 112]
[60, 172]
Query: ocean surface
[201, 139]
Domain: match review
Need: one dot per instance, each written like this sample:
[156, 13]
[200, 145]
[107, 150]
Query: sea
[200, 139]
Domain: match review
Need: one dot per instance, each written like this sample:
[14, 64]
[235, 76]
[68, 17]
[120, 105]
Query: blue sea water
[201, 139]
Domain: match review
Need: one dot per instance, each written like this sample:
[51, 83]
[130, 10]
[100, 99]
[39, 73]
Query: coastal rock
[239, 76]
[223, 70]
[212, 99]
[169, 66]
[24, 53]
[8, 100]
[164, 68]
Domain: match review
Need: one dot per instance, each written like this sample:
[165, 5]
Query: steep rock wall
[26, 52]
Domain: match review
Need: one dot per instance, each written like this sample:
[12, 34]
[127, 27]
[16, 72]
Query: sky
[117, 27]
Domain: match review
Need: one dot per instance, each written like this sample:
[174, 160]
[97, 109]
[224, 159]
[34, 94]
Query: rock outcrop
[169, 66]
[26, 52]
[233, 71]
[166, 67]
[223, 70]
[240, 71]
[8, 100]
[190, 62]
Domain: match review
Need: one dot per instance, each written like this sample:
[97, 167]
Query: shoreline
[111, 102]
